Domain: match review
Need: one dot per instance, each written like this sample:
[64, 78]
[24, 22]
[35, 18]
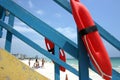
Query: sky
[104, 12]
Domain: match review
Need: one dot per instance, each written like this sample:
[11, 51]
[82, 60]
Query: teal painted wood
[37, 47]
[2, 16]
[1, 32]
[106, 35]
[65, 4]
[1, 12]
[8, 41]
[41, 27]
[82, 53]
[57, 70]
[83, 60]
[71, 48]
[116, 75]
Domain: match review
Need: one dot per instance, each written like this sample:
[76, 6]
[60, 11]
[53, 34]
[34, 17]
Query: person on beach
[43, 61]
[36, 64]
[29, 61]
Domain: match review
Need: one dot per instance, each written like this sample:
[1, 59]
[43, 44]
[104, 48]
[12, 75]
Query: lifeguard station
[45, 30]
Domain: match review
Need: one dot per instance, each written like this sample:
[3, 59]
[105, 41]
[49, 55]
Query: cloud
[30, 4]
[40, 12]
[23, 29]
[19, 23]
[58, 15]
[69, 32]
[28, 32]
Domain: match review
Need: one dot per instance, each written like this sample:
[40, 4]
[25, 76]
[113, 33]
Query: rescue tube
[91, 39]
[50, 48]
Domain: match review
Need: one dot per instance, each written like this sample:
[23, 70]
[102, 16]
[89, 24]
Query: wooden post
[83, 60]
[57, 71]
[9, 34]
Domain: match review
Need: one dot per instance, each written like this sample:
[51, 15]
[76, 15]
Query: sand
[48, 71]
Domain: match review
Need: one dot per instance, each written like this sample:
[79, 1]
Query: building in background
[20, 56]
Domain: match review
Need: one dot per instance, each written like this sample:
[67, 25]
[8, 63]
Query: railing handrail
[106, 35]
[44, 29]
[37, 47]
[41, 27]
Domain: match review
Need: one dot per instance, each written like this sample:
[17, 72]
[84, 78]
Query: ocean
[115, 63]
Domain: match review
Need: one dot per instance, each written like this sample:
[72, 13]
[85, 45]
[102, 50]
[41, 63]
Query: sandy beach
[48, 71]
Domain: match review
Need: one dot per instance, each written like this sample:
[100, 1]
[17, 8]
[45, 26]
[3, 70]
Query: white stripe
[48, 46]
[61, 52]
[103, 74]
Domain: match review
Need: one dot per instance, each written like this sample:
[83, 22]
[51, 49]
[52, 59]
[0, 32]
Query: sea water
[115, 63]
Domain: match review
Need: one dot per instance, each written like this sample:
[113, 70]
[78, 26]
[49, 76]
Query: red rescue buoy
[63, 58]
[50, 48]
[91, 39]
